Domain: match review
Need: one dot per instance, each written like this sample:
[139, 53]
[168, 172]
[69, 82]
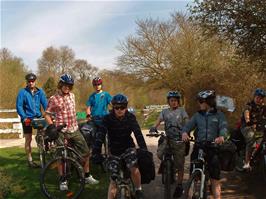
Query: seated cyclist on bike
[119, 125]
[209, 125]
[250, 122]
[63, 105]
[174, 119]
[97, 105]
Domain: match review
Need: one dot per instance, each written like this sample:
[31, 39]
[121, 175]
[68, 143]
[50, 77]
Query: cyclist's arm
[137, 133]
[190, 125]
[19, 106]
[49, 110]
[88, 110]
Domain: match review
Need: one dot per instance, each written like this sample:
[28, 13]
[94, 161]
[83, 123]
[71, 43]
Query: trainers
[139, 194]
[63, 186]
[91, 180]
[246, 166]
[178, 191]
[32, 164]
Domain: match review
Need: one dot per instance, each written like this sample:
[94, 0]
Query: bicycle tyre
[167, 173]
[123, 193]
[264, 167]
[192, 190]
[49, 179]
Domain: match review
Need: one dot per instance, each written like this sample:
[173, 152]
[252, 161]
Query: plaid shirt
[64, 108]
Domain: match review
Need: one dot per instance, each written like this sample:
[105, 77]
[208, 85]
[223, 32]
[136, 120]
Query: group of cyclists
[209, 124]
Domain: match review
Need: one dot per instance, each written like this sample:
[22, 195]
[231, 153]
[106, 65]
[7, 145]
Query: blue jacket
[207, 125]
[29, 105]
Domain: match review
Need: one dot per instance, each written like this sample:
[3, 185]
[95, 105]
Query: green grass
[22, 182]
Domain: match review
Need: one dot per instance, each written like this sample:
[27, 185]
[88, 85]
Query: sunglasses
[68, 85]
[97, 84]
[31, 81]
[120, 107]
[201, 101]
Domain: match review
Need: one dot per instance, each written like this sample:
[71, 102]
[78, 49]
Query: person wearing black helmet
[119, 125]
[251, 120]
[63, 105]
[28, 105]
[210, 125]
[174, 117]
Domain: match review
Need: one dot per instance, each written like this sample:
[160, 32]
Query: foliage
[49, 87]
[12, 73]
[242, 22]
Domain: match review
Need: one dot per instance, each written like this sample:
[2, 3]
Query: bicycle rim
[264, 167]
[193, 188]
[73, 175]
[167, 179]
[42, 158]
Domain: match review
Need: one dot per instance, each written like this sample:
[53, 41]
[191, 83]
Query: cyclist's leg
[249, 136]
[112, 190]
[214, 171]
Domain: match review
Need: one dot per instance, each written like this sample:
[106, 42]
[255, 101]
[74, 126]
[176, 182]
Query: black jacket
[119, 133]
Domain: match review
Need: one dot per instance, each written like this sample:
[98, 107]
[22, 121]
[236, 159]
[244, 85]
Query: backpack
[146, 166]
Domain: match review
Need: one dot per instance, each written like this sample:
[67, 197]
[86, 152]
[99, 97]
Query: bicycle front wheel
[193, 190]
[62, 170]
[167, 175]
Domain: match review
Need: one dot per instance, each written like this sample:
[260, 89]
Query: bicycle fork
[202, 181]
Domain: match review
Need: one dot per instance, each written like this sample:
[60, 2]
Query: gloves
[27, 122]
[153, 130]
[51, 132]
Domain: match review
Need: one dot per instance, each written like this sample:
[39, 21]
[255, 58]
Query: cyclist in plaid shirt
[63, 105]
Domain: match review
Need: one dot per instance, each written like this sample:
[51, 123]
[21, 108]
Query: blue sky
[92, 29]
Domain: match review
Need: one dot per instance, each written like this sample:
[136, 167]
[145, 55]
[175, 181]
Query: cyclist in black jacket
[119, 125]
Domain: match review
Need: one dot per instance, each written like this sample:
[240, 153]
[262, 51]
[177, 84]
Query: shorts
[213, 162]
[27, 129]
[78, 141]
[126, 160]
[178, 150]
[250, 137]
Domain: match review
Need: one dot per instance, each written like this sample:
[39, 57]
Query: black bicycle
[63, 176]
[197, 185]
[42, 141]
[121, 176]
[258, 157]
[167, 163]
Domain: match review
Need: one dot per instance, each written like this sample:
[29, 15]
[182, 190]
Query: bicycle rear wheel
[167, 179]
[60, 168]
[194, 185]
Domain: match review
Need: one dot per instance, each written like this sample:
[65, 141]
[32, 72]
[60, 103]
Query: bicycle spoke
[58, 171]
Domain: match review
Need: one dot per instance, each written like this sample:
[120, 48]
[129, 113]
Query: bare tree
[83, 71]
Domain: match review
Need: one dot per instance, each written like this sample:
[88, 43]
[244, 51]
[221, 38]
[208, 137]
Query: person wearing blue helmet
[63, 105]
[119, 125]
[251, 120]
[174, 118]
[28, 105]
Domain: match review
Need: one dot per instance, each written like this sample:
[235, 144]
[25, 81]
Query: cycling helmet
[30, 77]
[260, 92]
[66, 79]
[119, 99]
[174, 94]
[207, 94]
[97, 81]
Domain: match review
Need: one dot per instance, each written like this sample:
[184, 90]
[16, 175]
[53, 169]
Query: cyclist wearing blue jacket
[28, 105]
[209, 125]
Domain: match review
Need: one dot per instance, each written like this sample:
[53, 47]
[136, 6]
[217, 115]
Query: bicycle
[167, 164]
[42, 142]
[258, 157]
[121, 177]
[198, 180]
[67, 167]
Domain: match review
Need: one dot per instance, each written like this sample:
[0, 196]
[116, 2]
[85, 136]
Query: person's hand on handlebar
[219, 140]
[88, 117]
[185, 137]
